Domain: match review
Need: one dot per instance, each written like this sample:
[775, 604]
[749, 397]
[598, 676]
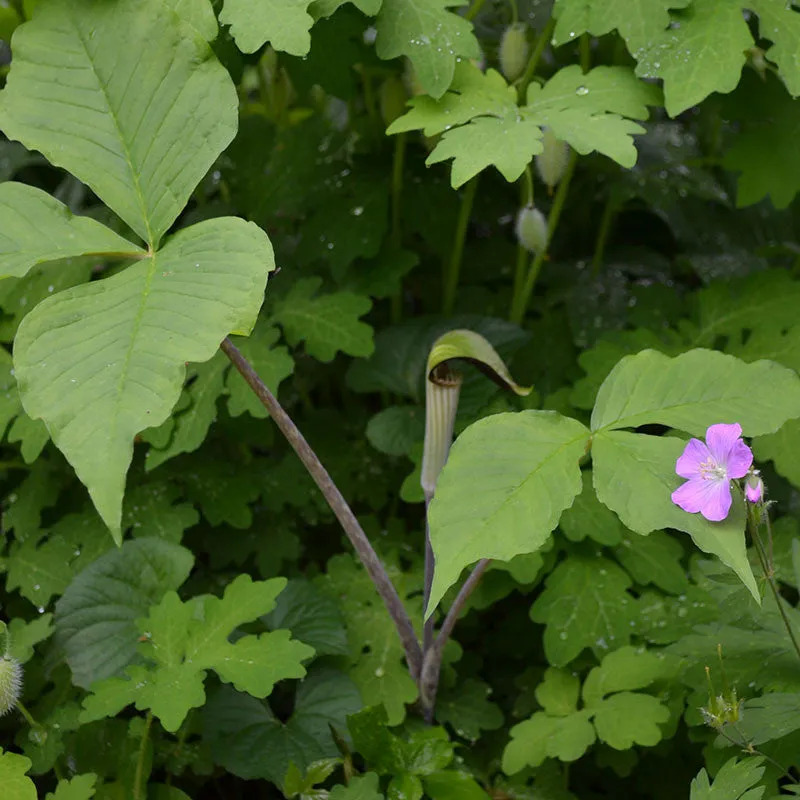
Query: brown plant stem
[432, 665]
[352, 528]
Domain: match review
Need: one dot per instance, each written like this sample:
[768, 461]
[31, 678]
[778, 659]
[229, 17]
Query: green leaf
[543, 736]
[186, 639]
[587, 516]
[732, 782]
[364, 787]
[623, 670]
[249, 741]
[770, 717]
[638, 21]
[704, 54]
[634, 475]
[128, 326]
[24, 635]
[655, 559]
[396, 429]
[327, 323]
[451, 785]
[199, 14]
[781, 448]
[558, 692]
[81, 787]
[468, 710]
[192, 424]
[584, 604]
[308, 613]
[16, 784]
[432, 37]
[764, 155]
[695, 390]
[141, 139]
[95, 619]
[629, 718]
[273, 365]
[502, 491]
[285, 24]
[150, 510]
[38, 228]
[780, 23]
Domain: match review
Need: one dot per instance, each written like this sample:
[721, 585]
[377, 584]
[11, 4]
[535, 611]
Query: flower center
[711, 471]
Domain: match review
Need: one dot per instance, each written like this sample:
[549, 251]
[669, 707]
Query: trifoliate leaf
[364, 787]
[273, 365]
[502, 491]
[95, 619]
[764, 155]
[630, 718]
[327, 323]
[587, 516]
[248, 740]
[543, 736]
[634, 475]
[81, 787]
[308, 613]
[184, 640]
[639, 22]
[91, 125]
[584, 604]
[16, 784]
[38, 228]
[733, 781]
[192, 423]
[468, 710]
[655, 559]
[286, 25]
[695, 390]
[432, 37]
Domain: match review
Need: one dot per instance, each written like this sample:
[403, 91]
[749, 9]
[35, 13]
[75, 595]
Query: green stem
[606, 223]
[139, 774]
[474, 9]
[533, 61]
[27, 714]
[586, 52]
[452, 270]
[521, 299]
[396, 234]
[770, 578]
[527, 187]
[514, 12]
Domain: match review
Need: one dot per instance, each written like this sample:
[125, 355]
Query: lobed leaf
[285, 24]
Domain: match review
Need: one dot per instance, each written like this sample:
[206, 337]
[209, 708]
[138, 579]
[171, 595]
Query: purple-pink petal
[721, 439]
[753, 493]
[740, 460]
[694, 454]
[711, 498]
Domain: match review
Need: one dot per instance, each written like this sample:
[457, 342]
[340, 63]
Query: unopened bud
[513, 54]
[531, 229]
[10, 683]
[551, 163]
[754, 488]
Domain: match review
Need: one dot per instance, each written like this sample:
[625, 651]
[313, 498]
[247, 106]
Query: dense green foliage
[403, 213]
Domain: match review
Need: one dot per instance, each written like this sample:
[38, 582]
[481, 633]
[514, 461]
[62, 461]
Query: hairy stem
[429, 678]
[139, 774]
[452, 270]
[770, 578]
[364, 550]
[533, 61]
[521, 298]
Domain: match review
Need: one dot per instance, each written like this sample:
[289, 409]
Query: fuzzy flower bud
[551, 163]
[513, 54]
[10, 683]
[754, 488]
[531, 229]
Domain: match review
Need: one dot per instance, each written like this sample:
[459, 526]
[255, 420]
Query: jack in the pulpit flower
[709, 468]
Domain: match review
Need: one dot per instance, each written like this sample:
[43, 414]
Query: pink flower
[754, 487]
[710, 466]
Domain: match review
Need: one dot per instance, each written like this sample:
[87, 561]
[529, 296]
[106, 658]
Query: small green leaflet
[506, 482]
[733, 781]
[326, 322]
[184, 640]
[705, 50]
[81, 787]
[638, 21]
[16, 784]
[364, 787]
[590, 111]
[430, 35]
[285, 24]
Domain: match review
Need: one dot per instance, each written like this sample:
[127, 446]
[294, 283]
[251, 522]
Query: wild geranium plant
[267, 273]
